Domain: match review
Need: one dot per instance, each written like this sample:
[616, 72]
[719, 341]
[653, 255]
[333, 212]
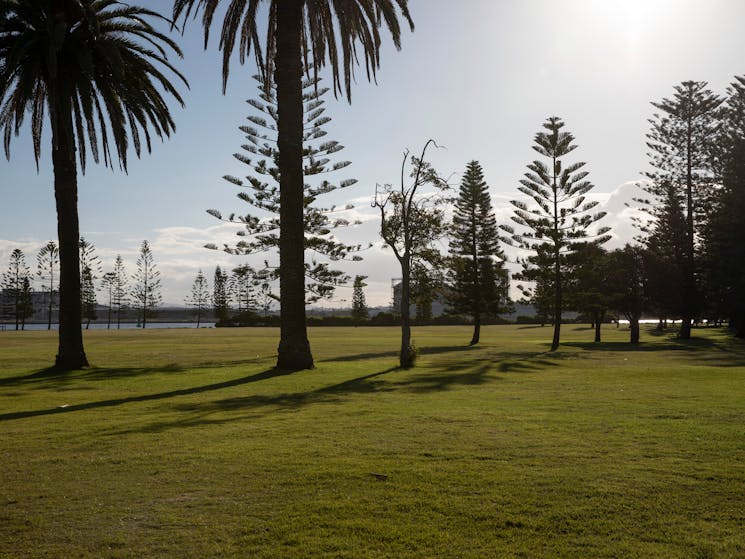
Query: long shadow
[674, 344]
[720, 353]
[270, 373]
[50, 377]
[376, 355]
[200, 413]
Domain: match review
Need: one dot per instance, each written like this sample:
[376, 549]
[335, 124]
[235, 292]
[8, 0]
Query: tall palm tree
[302, 36]
[96, 67]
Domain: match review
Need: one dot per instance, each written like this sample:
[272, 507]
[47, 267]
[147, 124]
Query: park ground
[185, 443]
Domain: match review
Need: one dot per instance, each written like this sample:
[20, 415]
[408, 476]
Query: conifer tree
[146, 286]
[199, 297]
[27, 301]
[260, 230]
[477, 281]
[723, 256]
[108, 284]
[681, 155]
[120, 289]
[90, 270]
[243, 283]
[47, 268]
[14, 281]
[359, 305]
[665, 242]
[557, 218]
[220, 295]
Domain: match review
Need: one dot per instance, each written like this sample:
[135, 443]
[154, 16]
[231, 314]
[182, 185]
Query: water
[124, 326]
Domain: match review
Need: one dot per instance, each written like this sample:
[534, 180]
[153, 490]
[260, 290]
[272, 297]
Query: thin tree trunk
[71, 354]
[689, 281]
[598, 324]
[476, 328]
[557, 266]
[406, 356]
[294, 349]
[557, 303]
[51, 295]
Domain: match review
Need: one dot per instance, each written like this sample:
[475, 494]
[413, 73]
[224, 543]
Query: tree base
[71, 362]
[294, 356]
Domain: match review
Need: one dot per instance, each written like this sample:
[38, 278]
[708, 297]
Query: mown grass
[186, 444]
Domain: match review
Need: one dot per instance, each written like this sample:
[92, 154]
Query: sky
[477, 76]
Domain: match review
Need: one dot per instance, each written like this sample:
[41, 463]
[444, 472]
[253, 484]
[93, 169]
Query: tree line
[119, 292]
[99, 73]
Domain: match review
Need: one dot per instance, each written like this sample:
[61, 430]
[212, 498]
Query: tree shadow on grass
[52, 378]
[270, 373]
[378, 355]
[436, 377]
[241, 408]
[707, 351]
[445, 376]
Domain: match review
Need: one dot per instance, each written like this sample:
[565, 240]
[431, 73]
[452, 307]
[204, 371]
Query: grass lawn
[184, 443]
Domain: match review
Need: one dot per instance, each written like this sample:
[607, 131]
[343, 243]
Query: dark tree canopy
[682, 157]
[359, 304]
[478, 283]
[723, 258]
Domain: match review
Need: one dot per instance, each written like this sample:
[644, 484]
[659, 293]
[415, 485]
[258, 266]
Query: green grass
[185, 444]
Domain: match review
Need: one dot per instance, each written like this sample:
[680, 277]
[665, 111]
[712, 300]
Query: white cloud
[179, 251]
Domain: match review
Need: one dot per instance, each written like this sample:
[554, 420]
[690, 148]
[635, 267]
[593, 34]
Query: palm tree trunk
[71, 354]
[294, 349]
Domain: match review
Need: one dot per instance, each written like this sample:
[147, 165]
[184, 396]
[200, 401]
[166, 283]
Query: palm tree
[302, 36]
[96, 67]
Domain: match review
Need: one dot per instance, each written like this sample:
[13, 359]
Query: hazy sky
[478, 76]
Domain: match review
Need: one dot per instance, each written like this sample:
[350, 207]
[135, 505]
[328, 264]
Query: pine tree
[665, 255]
[359, 305]
[147, 284]
[243, 284]
[558, 220]
[108, 284]
[47, 268]
[477, 281]
[90, 270]
[14, 282]
[681, 155]
[261, 226]
[220, 295]
[199, 297]
[120, 289]
[27, 301]
[723, 258]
